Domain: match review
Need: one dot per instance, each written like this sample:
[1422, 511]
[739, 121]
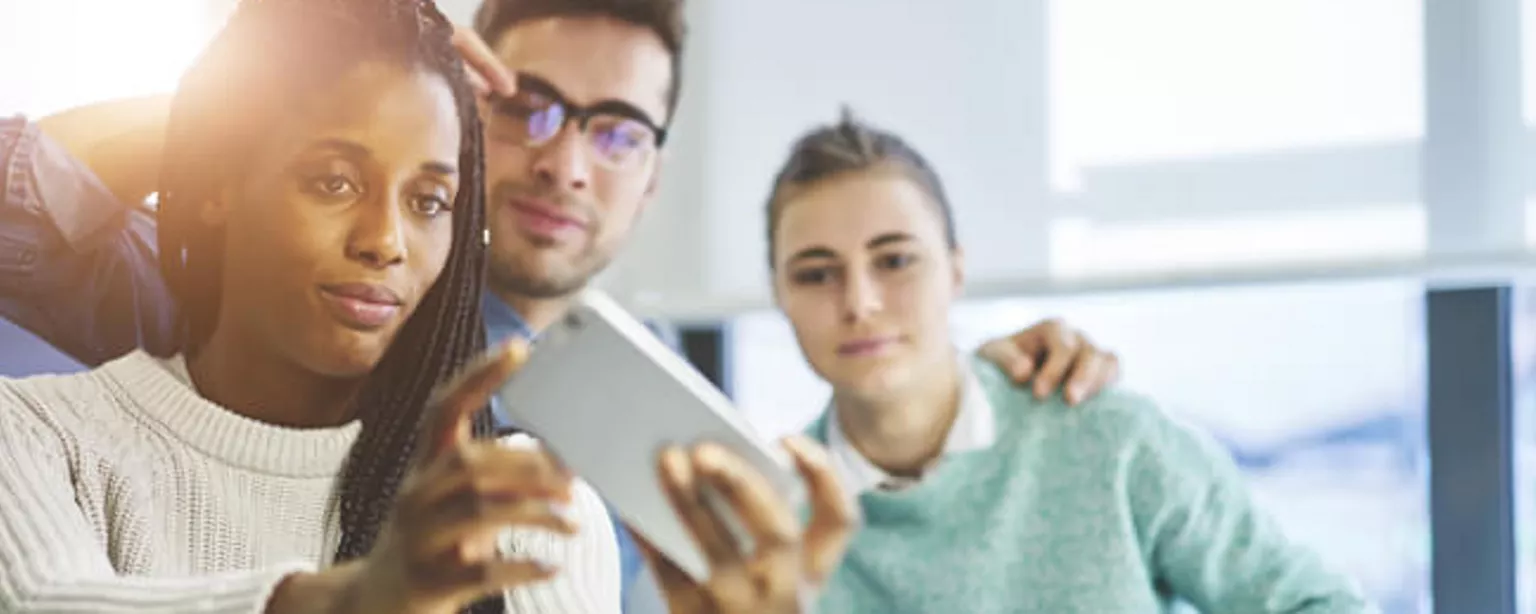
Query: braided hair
[267, 56]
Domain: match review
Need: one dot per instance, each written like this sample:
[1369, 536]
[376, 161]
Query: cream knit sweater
[122, 490]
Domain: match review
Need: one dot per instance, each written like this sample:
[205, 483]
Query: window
[1523, 346]
[1080, 247]
[68, 53]
[1317, 389]
[1528, 60]
[1196, 133]
[1528, 99]
[1133, 82]
[772, 384]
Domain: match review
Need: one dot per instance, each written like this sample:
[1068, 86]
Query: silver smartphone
[605, 395]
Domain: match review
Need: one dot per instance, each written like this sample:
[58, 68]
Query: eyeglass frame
[581, 114]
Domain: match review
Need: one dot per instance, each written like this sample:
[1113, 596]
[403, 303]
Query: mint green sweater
[1106, 508]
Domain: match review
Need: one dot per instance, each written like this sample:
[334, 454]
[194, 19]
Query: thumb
[1009, 356]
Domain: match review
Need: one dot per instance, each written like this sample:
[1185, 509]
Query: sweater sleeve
[51, 561]
[1207, 539]
[588, 578]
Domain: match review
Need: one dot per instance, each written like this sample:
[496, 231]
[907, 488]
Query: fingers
[772, 574]
[1009, 356]
[682, 487]
[1060, 351]
[1111, 372]
[1092, 372]
[449, 513]
[480, 60]
[1084, 373]
[477, 83]
[786, 566]
[766, 515]
[492, 471]
[1058, 357]
[833, 512]
[472, 521]
[450, 586]
[492, 576]
[454, 404]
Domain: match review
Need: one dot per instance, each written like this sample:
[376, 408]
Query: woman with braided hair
[321, 219]
[314, 436]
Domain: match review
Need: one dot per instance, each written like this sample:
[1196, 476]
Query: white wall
[760, 73]
[461, 11]
[1077, 137]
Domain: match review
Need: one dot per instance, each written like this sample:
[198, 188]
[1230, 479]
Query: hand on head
[484, 71]
[787, 565]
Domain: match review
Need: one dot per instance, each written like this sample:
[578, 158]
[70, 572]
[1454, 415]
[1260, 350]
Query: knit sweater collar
[160, 390]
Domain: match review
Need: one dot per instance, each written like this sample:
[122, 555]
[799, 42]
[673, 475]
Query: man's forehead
[592, 59]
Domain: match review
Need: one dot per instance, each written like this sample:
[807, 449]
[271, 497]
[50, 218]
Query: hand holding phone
[607, 397]
[784, 572]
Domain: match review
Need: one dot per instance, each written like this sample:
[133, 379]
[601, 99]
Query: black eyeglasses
[620, 134]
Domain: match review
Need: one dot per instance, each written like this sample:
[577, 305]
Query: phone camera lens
[573, 321]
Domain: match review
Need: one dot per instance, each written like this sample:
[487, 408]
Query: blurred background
[1293, 219]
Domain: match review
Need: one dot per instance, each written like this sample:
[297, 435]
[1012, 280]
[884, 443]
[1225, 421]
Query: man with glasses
[578, 97]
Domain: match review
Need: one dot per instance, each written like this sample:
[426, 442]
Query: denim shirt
[79, 268]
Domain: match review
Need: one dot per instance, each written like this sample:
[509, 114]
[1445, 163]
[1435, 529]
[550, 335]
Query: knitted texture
[1104, 508]
[125, 491]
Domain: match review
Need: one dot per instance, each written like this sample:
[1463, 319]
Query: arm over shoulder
[77, 267]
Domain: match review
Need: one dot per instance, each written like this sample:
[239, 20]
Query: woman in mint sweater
[978, 497]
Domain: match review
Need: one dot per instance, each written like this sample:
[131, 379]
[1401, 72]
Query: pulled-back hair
[850, 146]
[269, 55]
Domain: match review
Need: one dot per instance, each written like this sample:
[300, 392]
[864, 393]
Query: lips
[866, 347]
[544, 220]
[362, 306]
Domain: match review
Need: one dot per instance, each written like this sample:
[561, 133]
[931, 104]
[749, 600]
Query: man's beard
[506, 274]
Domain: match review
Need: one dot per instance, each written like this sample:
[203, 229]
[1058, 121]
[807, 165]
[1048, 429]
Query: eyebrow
[812, 252]
[889, 238]
[608, 105]
[439, 168]
[824, 252]
[343, 146]
[350, 148]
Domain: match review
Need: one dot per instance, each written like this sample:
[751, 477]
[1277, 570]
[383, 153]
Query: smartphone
[605, 395]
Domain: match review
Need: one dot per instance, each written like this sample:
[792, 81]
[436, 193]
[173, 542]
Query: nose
[377, 237]
[564, 162]
[861, 298]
